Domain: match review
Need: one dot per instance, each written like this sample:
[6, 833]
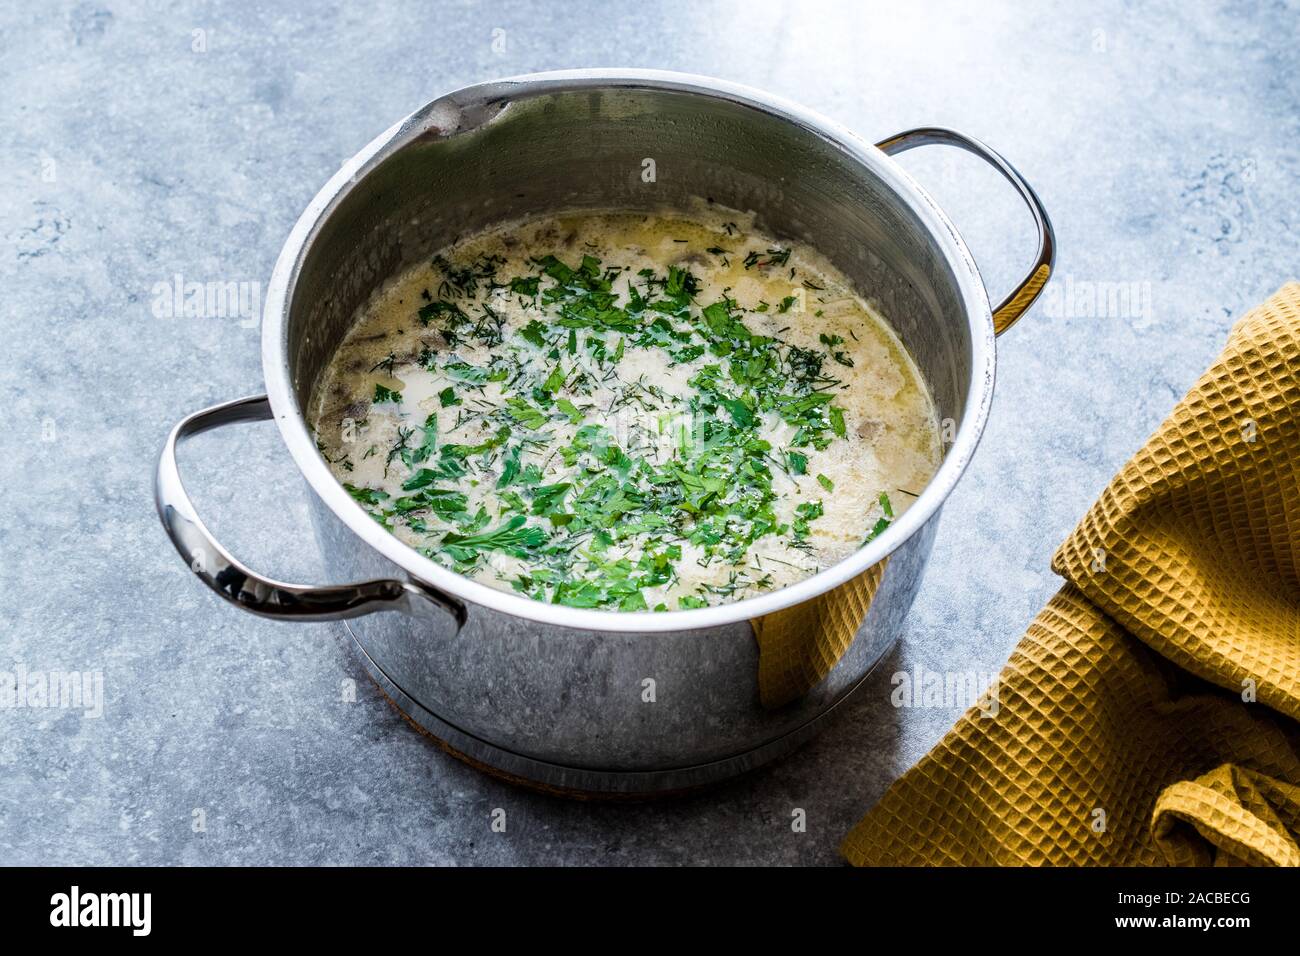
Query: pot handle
[219, 570]
[1022, 297]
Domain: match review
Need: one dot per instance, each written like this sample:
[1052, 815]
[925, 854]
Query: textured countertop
[142, 144]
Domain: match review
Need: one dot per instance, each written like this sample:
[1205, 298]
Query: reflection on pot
[798, 646]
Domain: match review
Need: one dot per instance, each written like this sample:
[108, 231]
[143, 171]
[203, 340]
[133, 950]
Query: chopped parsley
[575, 497]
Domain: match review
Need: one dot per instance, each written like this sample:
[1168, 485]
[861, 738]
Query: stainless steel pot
[593, 701]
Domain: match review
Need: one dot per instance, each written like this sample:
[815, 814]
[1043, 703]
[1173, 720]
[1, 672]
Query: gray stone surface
[1162, 139]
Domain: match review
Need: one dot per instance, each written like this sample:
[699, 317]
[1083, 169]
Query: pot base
[580, 783]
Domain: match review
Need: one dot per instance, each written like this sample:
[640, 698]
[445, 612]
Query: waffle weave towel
[1150, 713]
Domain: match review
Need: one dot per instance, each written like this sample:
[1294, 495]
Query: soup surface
[628, 412]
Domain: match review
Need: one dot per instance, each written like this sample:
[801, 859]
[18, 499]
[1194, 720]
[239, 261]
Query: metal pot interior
[509, 150]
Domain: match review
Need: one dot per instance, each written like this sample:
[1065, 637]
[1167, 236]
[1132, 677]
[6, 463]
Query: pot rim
[447, 115]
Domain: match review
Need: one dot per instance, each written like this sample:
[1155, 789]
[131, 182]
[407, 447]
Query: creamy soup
[627, 412]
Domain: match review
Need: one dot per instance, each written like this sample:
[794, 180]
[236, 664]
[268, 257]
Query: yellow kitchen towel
[1150, 713]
